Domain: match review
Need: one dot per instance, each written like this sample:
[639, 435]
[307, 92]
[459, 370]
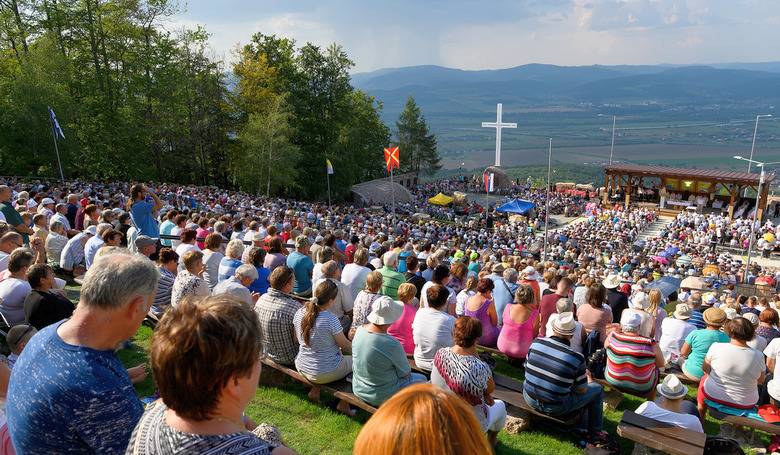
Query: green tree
[417, 144]
[264, 160]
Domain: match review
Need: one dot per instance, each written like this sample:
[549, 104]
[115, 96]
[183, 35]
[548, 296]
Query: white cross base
[498, 125]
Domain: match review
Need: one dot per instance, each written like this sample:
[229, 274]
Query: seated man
[555, 380]
[17, 339]
[72, 259]
[670, 407]
[43, 306]
[238, 285]
[275, 310]
[69, 380]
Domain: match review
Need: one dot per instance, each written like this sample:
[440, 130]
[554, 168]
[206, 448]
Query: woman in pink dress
[521, 324]
[480, 306]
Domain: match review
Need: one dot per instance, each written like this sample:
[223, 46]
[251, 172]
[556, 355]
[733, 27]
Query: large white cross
[498, 125]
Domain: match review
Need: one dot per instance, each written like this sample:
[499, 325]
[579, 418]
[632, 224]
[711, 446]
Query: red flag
[392, 159]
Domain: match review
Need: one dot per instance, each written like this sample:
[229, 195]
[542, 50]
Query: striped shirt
[697, 319]
[162, 298]
[391, 280]
[631, 362]
[553, 371]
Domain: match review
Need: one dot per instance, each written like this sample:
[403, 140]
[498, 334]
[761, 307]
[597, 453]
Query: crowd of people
[228, 279]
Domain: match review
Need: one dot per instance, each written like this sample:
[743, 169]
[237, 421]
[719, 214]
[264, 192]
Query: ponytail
[323, 295]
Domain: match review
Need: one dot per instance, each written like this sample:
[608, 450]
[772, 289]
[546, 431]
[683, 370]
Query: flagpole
[328, 177]
[56, 149]
[392, 189]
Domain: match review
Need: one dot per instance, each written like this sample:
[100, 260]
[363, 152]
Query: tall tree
[416, 142]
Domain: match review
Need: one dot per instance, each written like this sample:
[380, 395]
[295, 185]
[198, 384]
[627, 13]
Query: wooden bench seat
[745, 422]
[339, 389]
[492, 351]
[660, 435]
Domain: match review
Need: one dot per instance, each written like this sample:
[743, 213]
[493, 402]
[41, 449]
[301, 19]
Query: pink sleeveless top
[515, 339]
[489, 331]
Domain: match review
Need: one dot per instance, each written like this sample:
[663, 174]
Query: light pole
[753, 145]
[547, 201]
[755, 211]
[612, 146]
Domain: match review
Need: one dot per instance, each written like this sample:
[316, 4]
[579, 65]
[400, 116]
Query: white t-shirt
[431, 331]
[734, 374]
[182, 249]
[4, 261]
[773, 350]
[451, 298]
[758, 343]
[13, 293]
[354, 278]
[655, 412]
[177, 232]
[673, 334]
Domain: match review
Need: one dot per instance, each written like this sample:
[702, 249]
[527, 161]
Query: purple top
[489, 331]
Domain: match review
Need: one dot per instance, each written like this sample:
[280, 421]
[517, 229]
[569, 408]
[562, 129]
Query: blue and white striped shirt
[553, 371]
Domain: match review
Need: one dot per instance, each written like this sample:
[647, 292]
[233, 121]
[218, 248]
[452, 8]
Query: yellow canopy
[441, 199]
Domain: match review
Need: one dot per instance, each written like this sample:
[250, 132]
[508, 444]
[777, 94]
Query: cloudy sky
[474, 34]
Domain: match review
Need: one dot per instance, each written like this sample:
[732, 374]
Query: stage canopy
[441, 199]
[517, 206]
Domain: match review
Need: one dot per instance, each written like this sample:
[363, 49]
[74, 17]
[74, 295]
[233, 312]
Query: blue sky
[476, 34]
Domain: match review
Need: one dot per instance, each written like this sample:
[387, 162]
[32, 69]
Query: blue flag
[55, 123]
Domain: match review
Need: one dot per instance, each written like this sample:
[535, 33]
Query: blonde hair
[655, 298]
[406, 292]
[191, 258]
[423, 419]
[373, 281]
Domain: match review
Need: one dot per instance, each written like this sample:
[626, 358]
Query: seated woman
[637, 305]
[521, 324]
[422, 419]
[257, 258]
[167, 265]
[633, 360]
[732, 371]
[189, 282]
[469, 290]
[364, 301]
[768, 321]
[595, 314]
[481, 307]
[670, 407]
[44, 307]
[201, 345]
[698, 342]
[402, 328]
[460, 370]
[321, 356]
[379, 364]
[674, 330]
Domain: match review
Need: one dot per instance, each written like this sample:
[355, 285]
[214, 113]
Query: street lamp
[753, 146]
[612, 147]
[755, 211]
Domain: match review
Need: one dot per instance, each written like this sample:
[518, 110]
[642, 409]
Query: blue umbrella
[667, 285]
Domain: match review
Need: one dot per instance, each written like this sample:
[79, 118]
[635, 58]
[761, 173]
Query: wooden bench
[510, 391]
[339, 389]
[745, 422]
[660, 435]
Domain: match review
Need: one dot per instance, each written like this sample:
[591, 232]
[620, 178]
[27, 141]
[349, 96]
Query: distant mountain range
[448, 91]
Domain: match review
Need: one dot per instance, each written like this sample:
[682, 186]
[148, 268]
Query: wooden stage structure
[682, 188]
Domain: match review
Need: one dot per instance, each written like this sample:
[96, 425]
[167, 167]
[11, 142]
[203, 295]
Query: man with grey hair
[391, 279]
[69, 392]
[238, 285]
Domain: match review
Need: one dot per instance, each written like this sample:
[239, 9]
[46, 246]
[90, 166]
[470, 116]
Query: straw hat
[530, 273]
[682, 311]
[714, 316]
[611, 282]
[640, 301]
[672, 388]
[498, 268]
[564, 324]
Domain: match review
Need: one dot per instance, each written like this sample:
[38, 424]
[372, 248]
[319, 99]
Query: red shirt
[350, 252]
[547, 308]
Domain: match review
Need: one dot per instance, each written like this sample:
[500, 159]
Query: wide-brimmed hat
[630, 320]
[565, 324]
[530, 273]
[385, 311]
[672, 388]
[682, 311]
[611, 282]
[752, 317]
[714, 316]
[498, 268]
[640, 301]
